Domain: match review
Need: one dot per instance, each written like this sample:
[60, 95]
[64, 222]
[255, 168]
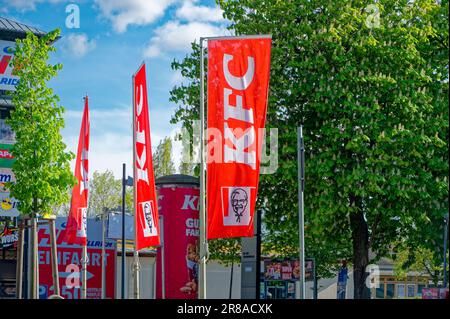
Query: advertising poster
[69, 265]
[8, 81]
[9, 237]
[8, 205]
[6, 159]
[287, 270]
[179, 208]
[7, 137]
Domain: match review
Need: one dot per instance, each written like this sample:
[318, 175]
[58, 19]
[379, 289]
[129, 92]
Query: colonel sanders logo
[149, 224]
[239, 201]
[82, 224]
[237, 212]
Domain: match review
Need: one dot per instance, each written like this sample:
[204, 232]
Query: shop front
[281, 278]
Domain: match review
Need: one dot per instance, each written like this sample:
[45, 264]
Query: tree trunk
[360, 238]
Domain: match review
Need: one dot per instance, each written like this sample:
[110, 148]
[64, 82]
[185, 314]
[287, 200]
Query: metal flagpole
[301, 186]
[136, 265]
[124, 253]
[104, 253]
[84, 262]
[163, 258]
[445, 249]
[203, 243]
[84, 255]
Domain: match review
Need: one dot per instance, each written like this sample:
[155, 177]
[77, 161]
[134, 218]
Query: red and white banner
[238, 83]
[145, 201]
[69, 263]
[76, 221]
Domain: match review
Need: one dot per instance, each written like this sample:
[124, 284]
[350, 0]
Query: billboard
[287, 270]
[69, 265]
[8, 205]
[9, 237]
[8, 81]
[7, 136]
[179, 208]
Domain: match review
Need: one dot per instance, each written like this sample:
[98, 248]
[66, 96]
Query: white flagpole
[104, 253]
[203, 241]
[84, 272]
[136, 266]
[301, 221]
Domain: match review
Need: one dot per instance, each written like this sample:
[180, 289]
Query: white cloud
[77, 44]
[123, 13]
[26, 5]
[177, 37]
[111, 138]
[191, 12]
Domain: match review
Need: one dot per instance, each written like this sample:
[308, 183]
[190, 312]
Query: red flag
[76, 222]
[238, 83]
[145, 203]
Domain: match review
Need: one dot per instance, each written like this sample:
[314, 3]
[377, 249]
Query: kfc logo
[82, 231]
[148, 219]
[236, 207]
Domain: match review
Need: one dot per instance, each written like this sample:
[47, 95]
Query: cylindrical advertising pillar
[178, 202]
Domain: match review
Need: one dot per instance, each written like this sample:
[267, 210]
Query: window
[380, 292]
[419, 289]
[411, 290]
[400, 290]
[390, 291]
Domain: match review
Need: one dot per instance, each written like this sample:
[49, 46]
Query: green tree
[42, 166]
[372, 95]
[187, 165]
[162, 158]
[424, 262]
[104, 193]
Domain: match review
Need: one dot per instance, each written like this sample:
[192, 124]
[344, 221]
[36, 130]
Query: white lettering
[238, 155]
[238, 83]
[236, 112]
[189, 202]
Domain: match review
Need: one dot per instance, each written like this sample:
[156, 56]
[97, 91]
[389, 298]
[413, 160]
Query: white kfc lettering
[142, 174]
[189, 202]
[238, 155]
[247, 139]
[239, 83]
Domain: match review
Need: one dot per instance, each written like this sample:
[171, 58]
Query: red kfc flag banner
[238, 83]
[76, 221]
[145, 200]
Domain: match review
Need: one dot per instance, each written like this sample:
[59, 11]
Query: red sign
[238, 83]
[179, 208]
[76, 221]
[69, 265]
[145, 203]
[5, 154]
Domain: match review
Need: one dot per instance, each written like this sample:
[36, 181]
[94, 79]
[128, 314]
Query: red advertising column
[178, 201]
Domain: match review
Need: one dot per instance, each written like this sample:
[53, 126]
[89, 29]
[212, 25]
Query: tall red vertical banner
[76, 232]
[179, 207]
[145, 203]
[238, 83]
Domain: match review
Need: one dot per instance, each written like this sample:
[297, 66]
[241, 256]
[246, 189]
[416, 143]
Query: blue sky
[100, 56]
